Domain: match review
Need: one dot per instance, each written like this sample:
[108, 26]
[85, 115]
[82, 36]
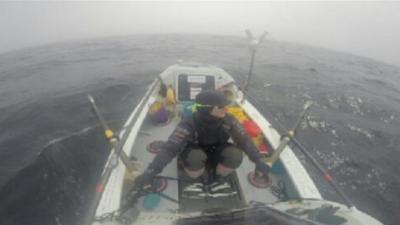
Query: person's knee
[194, 162]
[230, 159]
[194, 173]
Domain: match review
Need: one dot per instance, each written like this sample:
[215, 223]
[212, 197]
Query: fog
[368, 29]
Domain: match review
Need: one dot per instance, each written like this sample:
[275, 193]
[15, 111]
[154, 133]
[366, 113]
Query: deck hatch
[190, 85]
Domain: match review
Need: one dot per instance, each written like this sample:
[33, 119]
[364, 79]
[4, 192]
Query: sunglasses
[196, 106]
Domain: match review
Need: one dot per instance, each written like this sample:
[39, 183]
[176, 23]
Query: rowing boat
[290, 198]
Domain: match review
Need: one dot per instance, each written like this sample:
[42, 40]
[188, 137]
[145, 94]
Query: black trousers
[196, 157]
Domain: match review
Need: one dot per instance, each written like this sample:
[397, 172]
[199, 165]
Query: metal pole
[246, 85]
[254, 43]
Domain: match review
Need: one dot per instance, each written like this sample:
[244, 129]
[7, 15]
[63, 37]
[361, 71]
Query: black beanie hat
[212, 98]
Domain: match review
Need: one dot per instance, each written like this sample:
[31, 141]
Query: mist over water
[52, 150]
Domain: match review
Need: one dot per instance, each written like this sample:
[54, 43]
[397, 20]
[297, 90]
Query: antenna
[254, 43]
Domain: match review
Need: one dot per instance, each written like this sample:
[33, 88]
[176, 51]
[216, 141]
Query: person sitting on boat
[203, 143]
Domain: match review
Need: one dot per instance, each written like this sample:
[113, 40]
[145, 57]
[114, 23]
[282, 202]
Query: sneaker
[194, 190]
[221, 188]
[194, 187]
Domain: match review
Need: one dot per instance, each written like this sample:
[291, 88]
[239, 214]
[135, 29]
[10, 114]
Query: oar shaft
[110, 135]
[125, 159]
[286, 138]
[275, 156]
[117, 153]
[97, 113]
[301, 118]
[168, 197]
[326, 175]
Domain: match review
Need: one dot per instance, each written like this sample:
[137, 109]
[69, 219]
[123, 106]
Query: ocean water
[52, 149]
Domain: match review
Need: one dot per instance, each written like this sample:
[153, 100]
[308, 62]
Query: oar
[328, 177]
[110, 135]
[284, 141]
[112, 163]
[287, 137]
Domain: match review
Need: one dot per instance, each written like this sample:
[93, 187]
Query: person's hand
[143, 180]
[262, 168]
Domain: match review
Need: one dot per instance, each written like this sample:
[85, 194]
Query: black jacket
[190, 131]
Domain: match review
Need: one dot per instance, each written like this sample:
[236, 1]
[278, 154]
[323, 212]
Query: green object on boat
[277, 168]
[188, 109]
[151, 201]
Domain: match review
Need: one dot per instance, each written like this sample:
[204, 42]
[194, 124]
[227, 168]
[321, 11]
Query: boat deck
[247, 193]
[147, 134]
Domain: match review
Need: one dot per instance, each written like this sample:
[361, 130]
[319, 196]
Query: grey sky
[369, 29]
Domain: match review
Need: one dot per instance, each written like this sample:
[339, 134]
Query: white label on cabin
[196, 79]
[194, 91]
